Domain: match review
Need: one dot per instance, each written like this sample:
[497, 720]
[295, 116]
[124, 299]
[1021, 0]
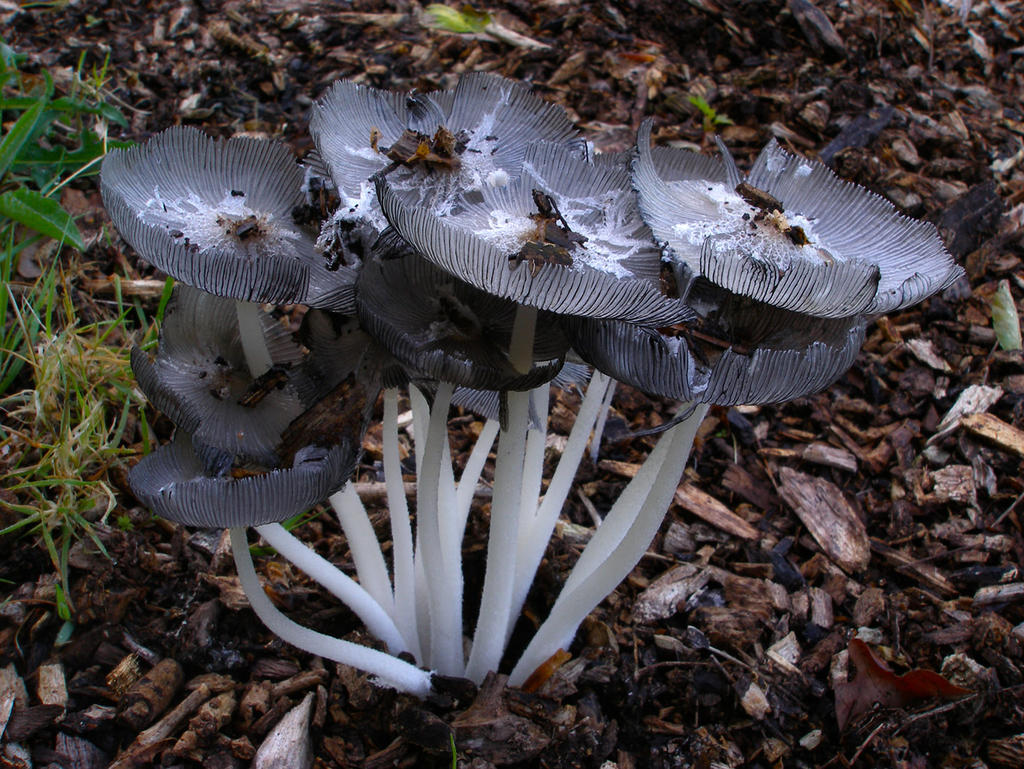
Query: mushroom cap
[741, 351]
[200, 380]
[590, 255]
[497, 118]
[217, 215]
[834, 250]
[173, 483]
[443, 329]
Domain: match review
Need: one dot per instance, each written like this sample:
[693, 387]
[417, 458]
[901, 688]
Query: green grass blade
[42, 214]
[19, 134]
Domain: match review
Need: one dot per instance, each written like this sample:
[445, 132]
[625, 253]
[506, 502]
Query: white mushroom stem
[390, 670]
[535, 533]
[362, 541]
[496, 600]
[617, 546]
[443, 574]
[403, 568]
[254, 343]
[471, 472]
[520, 351]
[339, 584]
[602, 420]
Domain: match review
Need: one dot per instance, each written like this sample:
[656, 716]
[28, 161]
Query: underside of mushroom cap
[441, 328]
[489, 119]
[739, 352]
[790, 234]
[173, 483]
[565, 236]
[487, 403]
[199, 378]
[217, 215]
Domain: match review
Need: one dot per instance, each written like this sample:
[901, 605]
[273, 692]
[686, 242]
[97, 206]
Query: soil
[857, 511]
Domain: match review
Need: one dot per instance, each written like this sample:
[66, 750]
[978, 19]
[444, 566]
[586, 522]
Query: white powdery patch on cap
[735, 224]
[217, 225]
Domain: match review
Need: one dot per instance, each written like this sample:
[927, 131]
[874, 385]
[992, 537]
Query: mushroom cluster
[466, 245]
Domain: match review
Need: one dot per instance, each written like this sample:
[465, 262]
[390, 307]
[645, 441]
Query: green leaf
[466, 20]
[19, 134]
[1005, 320]
[42, 214]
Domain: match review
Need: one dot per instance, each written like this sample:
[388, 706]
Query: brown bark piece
[832, 521]
[709, 509]
[992, 428]
[662, 598]
[491, 732]
[150, 695]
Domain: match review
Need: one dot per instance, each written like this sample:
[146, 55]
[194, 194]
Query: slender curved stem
[471, 472]
[632, 524]
[520, 353]
[536, 531]
[443, 577]
[362, 540]
[403, 568]
[254, 343]
[339, 584]
[496, 600]
[390, 671]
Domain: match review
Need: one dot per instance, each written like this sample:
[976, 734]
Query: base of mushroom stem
[616, 547]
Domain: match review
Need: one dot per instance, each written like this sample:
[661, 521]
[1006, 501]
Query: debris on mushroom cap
[217, 215]
[173, 483]
[740, 351]
[200, 380]
[480, 130]
[790, 233]
[566, 236]
[443, 329]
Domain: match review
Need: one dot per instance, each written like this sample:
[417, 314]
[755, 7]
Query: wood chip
[868, 606]
[662, 598]
[754, 702]
[821, 608]
[924, 350]
[994, 594]
[831, 520]
[786, 652]
[975, 399]
[52, 688]
[954, 483]
[992, 428]
[709, 509]
[921, 570]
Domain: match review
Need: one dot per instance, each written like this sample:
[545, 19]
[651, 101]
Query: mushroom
[217, 215]
[782, 268]
[790, 233]
[671, 271]
[472, 135]
[201, 381]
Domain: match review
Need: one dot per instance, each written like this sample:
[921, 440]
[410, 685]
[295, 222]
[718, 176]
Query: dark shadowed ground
[857, 511]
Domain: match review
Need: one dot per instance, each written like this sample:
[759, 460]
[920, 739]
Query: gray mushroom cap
[173, 483]
[590, 255]
[217, 215]
[833, 250]
[443, 329]
[496, 118]
[200, 380]
[740, 352]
